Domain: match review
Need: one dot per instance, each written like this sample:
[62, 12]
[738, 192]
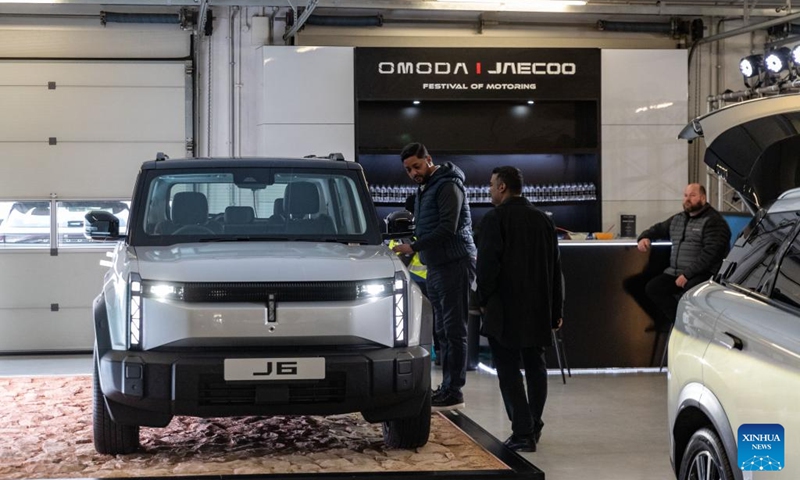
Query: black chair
[301, 200]
[189, 216]
[240, 220]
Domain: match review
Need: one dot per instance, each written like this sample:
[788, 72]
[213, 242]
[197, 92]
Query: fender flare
[696, 395]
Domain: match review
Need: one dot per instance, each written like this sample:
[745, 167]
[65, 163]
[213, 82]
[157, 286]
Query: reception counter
[606, 313]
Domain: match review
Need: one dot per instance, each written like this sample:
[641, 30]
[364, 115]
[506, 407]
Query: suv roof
[752, 146]
[190, 163]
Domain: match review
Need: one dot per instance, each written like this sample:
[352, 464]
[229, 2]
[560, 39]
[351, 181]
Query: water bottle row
[550, 193]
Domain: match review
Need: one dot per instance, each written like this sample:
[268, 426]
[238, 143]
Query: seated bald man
[700, 240]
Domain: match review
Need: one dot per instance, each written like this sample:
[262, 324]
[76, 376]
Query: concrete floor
[598, 426]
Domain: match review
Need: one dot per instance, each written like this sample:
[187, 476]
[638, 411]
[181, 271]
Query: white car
[734, 353]
[256, 287]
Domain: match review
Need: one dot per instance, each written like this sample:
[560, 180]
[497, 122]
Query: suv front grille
[260, 291]
[215, 391]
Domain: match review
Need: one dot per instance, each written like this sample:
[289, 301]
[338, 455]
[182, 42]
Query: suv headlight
[375, 289]
[162, 290]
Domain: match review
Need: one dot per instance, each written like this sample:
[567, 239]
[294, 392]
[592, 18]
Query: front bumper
[148, 388]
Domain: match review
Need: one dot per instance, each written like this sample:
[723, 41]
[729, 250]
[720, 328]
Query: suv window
[251, 203]
[753, 254]
[787, 281]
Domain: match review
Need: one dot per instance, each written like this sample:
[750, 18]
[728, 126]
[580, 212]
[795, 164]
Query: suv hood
[264, 262]
[754, 146]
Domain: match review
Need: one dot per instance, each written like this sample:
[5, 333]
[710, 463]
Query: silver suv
[256, 287]
[734, 353]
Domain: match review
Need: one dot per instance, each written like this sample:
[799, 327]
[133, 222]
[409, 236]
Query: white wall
[644, 107]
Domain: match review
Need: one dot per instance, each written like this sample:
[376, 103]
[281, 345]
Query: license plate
[274, 369]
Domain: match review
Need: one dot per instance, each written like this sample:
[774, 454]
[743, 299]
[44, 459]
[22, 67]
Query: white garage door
[72, 134]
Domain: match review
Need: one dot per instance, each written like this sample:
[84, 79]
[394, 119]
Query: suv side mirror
[101, 225]
[398, 224]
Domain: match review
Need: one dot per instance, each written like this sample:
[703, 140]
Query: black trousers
[665, 294]
[524, 410]
[448, 290]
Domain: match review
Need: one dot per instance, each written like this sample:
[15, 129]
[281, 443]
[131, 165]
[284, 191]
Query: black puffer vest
[460, 244]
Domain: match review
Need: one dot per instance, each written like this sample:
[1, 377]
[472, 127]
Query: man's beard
[689, 208]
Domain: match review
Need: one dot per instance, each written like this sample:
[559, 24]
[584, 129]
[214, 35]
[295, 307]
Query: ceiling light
[530, 102]
[750, 66]
[796, 55]
[526, 4]
[778, 60]
[416, 102]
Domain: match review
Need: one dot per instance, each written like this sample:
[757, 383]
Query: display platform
[46, 432]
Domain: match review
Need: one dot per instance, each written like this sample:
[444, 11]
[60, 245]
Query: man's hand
[403, 248]
[560, 323]
[644, 245]
[681, 281]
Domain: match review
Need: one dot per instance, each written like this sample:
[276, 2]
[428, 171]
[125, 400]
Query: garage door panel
[71, 280]
[69, 74]
[43, 330]
[113, 41]
[95, 114]
[76, 170]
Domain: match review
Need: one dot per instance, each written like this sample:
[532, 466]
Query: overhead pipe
[345, 21]
[636, 27]
[113, 17]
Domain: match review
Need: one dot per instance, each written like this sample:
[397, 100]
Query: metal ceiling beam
[595, 7]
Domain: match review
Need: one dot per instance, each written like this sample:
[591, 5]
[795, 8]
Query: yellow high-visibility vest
[415, 266]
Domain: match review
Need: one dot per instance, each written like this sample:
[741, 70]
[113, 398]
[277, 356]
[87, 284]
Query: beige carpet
[46, 432]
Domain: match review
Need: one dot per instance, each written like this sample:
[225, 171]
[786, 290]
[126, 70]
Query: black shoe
[437, 392]
[520, 443]
[537, 436]
[447, 400]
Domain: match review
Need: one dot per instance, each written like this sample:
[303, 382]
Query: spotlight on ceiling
[777, 61]
[750, 66]
[796, 55]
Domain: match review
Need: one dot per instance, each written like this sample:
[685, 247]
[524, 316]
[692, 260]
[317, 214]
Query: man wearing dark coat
[520, 290]
[445, 246]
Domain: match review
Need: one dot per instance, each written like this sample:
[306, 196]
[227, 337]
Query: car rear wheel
[110, 437]
[411, 432]
[705, 458]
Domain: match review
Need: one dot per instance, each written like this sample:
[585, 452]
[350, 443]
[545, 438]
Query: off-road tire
[110, 437]
[705, 458]
[410, 432]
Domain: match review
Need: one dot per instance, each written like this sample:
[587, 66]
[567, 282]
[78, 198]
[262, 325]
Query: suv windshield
[250, 204]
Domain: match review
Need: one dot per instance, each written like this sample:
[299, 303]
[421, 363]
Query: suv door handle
[735, 342]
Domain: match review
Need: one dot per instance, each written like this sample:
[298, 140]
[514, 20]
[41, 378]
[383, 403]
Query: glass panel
[255, 203]
[71, 219]
[26, 223]
[787, 282]
[753, 256]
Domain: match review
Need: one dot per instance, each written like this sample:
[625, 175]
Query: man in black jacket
[445, 246]
[700, 240]
[520, 290]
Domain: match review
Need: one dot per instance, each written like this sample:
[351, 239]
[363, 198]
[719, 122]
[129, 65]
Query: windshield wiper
[224, 239]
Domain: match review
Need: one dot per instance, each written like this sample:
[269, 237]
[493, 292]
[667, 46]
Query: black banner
[477, 73]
